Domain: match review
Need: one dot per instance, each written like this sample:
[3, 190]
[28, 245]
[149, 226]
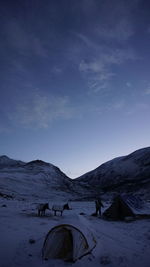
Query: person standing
[98, 206]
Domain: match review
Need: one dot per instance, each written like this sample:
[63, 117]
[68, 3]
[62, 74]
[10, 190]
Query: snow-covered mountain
[36, 179]
[129, 173]
[5, 161]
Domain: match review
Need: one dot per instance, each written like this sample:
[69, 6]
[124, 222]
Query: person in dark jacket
[98, 205]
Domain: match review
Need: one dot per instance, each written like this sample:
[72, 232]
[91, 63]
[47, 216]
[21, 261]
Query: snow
[5, 161]
[34, 179]
[119, 244]
[127, 172]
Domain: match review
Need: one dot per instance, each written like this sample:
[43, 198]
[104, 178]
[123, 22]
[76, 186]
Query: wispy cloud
[39, 111]
[147, 91]
[97, 70]
[88, 42]
[57, 70]
[121, 31]
[115, 106]
[99, 81]
[128, 84]
[105, 42]
[95, 66]
[118, 105]
[138, 107]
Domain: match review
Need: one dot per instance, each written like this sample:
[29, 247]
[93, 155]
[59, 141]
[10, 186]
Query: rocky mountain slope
[36, 179]
[39, 179]
[129, 173]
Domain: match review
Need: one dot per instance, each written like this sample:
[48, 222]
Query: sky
[74, 81]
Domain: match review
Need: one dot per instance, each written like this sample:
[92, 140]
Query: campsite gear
[118, 210]
[68, 242]
[98, 205]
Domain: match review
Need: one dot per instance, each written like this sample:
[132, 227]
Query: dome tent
[69, 241]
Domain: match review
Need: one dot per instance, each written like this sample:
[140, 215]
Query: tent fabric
[58, 244]
[135, 202]
[118, 210]
[68, 242]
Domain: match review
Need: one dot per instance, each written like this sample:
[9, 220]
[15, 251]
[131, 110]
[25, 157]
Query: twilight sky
[74, 80]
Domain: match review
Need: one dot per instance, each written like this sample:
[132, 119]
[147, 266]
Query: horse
[41, 209]
[60, 208]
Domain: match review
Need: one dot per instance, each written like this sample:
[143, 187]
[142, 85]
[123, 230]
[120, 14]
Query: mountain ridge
[124, 173]
[130, 173]
[36, 179]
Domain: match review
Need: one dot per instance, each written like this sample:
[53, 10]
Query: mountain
[5, 161]
[36, 179]
[41, 180]
[129, 173]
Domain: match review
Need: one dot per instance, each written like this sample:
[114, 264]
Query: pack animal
[42, 208]
[60, 208]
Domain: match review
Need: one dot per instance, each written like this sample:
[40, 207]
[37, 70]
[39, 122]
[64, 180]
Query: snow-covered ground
[118, 243]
